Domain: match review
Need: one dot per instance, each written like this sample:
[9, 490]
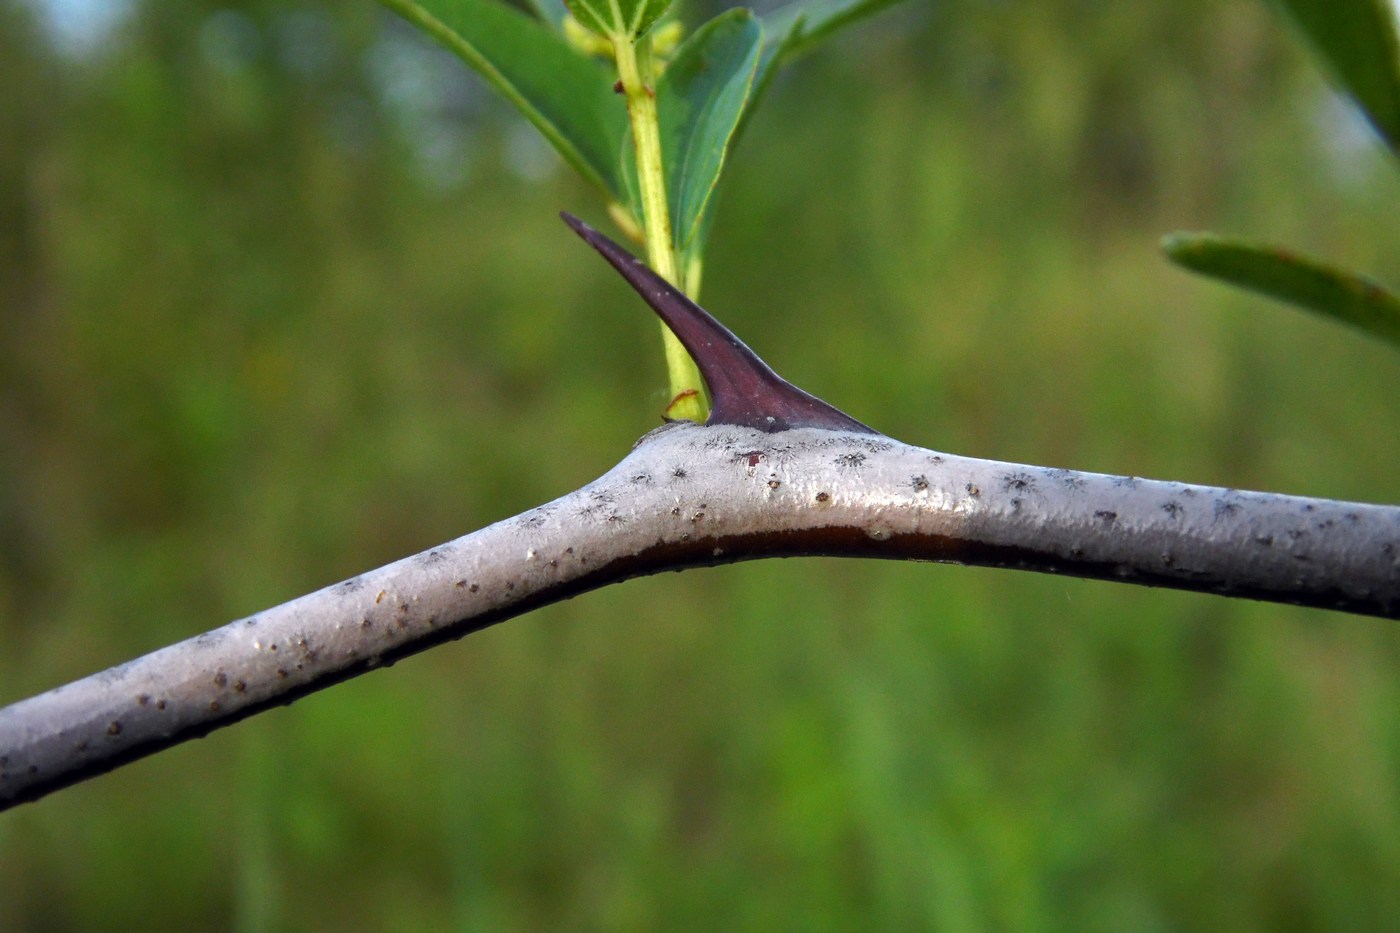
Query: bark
[691, 495]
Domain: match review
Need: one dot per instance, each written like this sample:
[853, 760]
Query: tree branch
[776, 472]
[688, 496]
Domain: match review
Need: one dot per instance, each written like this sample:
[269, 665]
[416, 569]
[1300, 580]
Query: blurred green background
[284, 296]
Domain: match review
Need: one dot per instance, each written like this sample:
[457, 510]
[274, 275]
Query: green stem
[635, 68]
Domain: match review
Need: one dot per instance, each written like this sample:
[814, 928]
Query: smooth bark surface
[692, 495]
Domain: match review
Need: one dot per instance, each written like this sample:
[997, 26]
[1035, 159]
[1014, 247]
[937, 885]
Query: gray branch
[692, 495]
[778, 472]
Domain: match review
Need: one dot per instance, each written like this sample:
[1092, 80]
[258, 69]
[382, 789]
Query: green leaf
[624, 18]
[1358, 45]
[566, 95]
[1279, 273]
[700, 97]
[797, 28]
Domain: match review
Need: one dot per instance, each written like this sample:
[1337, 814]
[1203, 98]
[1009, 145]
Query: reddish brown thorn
[743, 389]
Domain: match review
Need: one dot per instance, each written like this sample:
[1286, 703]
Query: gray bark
[692, 495]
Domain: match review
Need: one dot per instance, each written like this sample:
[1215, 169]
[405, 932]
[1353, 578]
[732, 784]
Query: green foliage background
[268, 320]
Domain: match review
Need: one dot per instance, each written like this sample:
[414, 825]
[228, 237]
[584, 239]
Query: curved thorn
[743, 389]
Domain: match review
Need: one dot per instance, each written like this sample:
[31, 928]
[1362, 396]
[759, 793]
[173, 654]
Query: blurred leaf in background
[285, 297]
[1280, 273]
[1357, 42]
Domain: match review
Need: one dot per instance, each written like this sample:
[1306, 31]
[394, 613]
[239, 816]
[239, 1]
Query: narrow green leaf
[626, 18]
[797, 28]
[700, 97]
[1279, 273]
[1359, 47]
[565, 94]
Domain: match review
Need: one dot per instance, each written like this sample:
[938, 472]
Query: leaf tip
[1181, 246]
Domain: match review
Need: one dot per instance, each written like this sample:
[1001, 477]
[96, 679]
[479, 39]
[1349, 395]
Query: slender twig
[785, 475]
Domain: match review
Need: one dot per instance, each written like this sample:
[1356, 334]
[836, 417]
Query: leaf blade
[795, 29]
[564, 94]
[798, 27]
[627, 19]
[1345, 296]
[701, 98]
[1360, 49]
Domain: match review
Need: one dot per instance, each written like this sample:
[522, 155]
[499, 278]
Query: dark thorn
[744, 390]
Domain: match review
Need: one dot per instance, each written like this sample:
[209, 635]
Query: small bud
[666, 38]
[586, 40]
[627, 222]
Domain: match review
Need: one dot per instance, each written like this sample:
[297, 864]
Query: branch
[792, 476]
[690, 496]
